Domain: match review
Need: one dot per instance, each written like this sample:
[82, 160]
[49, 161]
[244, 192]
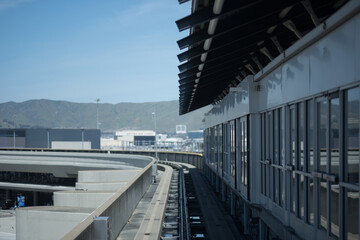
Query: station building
[282, 138]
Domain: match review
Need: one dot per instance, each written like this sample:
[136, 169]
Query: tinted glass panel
[334, 135]
[322, 138]
[293, 156]
[352, 214]
[352, 135]
[310, 139]
[311, 200]
[301, 125]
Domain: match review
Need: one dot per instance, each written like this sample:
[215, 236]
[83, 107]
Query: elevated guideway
[124, 198]
[103, 182]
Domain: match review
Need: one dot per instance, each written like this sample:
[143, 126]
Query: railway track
[183, 216]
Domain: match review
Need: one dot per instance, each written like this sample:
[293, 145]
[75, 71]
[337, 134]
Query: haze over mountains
[63, 114]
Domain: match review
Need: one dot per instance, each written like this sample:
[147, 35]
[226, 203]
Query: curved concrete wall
[65, 164]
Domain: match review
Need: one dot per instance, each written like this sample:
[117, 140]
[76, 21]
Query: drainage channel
[183, 218]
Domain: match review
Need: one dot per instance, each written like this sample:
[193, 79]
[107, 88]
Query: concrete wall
[106, 175]
[100, 186]
[87, 199]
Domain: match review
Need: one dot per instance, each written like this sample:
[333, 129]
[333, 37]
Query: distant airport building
[50, 138]
[195, 134]
[180, 129]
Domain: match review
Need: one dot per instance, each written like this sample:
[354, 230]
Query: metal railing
[179, 146]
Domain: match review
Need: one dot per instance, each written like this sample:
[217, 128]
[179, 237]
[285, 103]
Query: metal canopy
[230, 39]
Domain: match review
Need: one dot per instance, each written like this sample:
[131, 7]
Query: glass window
[276, 137]
[301, 196]
[221, 150]
[352, 136]
[322, 138]
[311, 219]
[301, 125]
[232, 149]
[263, 139]
[245, 150]
[225, 147]
[334, 163]
[276, 155]
[352, 214]
[269, 154]
[282, 157]
[351, 132]
[334, 135]
[310, 163]
[216, 147]
[301, 163]
[292, 157]
[243, 153]
[310, 139]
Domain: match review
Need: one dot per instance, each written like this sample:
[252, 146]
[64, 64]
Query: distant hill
[62, 114]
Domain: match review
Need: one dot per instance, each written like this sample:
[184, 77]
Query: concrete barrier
[100, 186]
[195, 159]
[87, 199]
[118, 207]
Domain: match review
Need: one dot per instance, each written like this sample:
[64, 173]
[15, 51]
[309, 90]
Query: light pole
[156, 153]
[97, 113]
[48, 138]
[14, 131]
[82, 138]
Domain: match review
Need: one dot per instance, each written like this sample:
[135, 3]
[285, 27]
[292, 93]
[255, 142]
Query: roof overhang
[231, 39]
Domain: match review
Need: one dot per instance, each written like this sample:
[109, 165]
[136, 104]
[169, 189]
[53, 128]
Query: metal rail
[184, 215]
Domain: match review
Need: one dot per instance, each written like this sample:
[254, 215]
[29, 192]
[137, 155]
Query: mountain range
[121, 116]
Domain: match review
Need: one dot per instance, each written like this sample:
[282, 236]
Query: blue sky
[80, 50]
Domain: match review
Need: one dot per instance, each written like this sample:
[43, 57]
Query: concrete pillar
[246, 218]
[101, 228]
[7, 194]
[35, 198]
[261, 230]
[232, 203]
[223, 191]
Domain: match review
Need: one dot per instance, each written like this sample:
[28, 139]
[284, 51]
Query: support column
[261, 230]
[223, 191]
[232, 203]
[35, 198]
[7, 194]
[217, 183]
[246, 218]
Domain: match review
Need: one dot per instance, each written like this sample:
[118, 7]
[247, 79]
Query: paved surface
[151, 226]
[219, 224]
[132, 227]
[7, 236]
[7, 225]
